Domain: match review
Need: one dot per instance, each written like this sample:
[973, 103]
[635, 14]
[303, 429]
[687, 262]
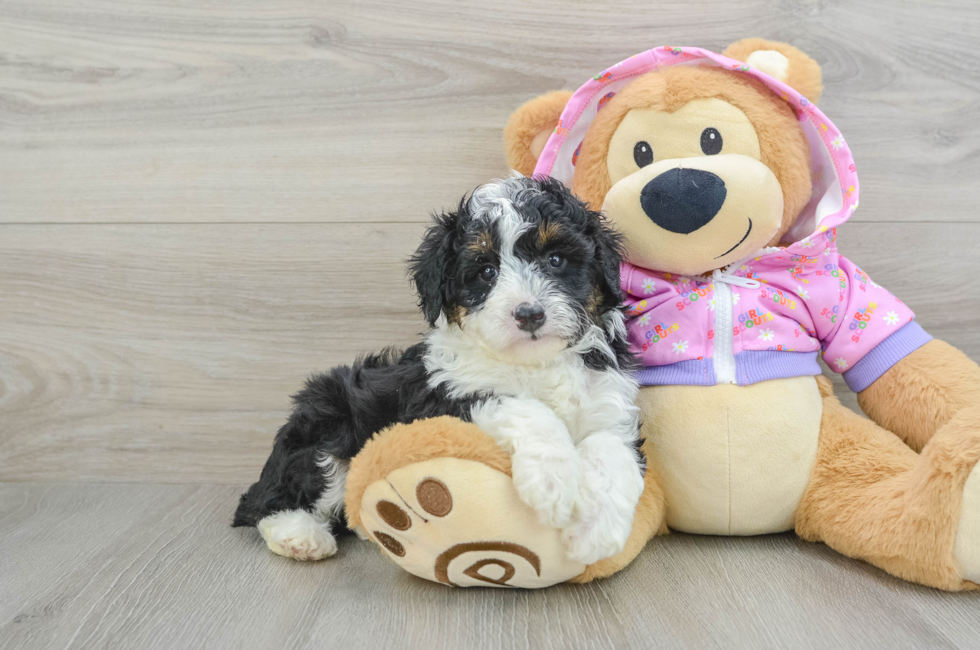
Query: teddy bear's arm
[922, 392]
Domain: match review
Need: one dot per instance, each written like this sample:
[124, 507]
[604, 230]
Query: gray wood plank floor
[156, 566]
[201, 203]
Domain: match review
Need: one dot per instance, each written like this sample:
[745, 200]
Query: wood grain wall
[201, 203]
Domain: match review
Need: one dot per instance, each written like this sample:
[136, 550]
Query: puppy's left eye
[488, 273]
[556, 261]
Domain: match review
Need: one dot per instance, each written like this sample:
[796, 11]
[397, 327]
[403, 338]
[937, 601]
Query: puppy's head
[523, 267]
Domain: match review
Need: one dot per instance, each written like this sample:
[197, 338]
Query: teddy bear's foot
[967, 548]
[461, 523]
[438, 497]
[298, 535]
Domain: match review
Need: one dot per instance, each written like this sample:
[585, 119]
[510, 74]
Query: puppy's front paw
[546, 478]
[297, 535]
[609, 490]
[598, 534]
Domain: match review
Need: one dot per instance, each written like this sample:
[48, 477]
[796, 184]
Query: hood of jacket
[835, 183]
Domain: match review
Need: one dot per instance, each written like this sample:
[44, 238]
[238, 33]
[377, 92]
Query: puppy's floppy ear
[782, 61]
[608, 255]
[431, 264]
[529, 128]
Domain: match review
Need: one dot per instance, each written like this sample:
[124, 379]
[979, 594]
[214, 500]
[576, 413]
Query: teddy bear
[728, 184]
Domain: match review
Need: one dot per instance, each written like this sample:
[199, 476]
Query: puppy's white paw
[297, 535]
[609, 489]
[600, 534]
[546, 478]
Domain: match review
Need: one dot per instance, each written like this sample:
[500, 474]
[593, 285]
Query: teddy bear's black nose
[683, 200]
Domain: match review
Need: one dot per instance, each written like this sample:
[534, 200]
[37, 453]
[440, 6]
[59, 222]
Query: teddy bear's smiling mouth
[744, 237]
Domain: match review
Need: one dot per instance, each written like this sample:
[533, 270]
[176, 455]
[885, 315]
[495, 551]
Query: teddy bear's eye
[710, 141]
[643, 153]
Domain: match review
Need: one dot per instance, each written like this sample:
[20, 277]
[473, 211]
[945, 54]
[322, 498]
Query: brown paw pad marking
[393, 515]
[390, 543]
[473, 571]
[434, 497]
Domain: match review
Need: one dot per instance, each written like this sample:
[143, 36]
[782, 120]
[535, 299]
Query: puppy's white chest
[569, 394]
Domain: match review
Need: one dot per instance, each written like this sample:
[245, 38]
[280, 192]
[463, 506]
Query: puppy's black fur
[335, 414]
[338, 411]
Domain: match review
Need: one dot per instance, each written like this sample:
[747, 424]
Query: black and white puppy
[520, 286]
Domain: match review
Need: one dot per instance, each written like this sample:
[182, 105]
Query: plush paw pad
[461, 523]
[298, 535]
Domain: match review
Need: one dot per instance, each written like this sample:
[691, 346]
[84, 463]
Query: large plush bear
[729, 185]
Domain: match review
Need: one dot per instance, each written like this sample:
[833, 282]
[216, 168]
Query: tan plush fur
[804, 72]
[825, 386]
[871, 497]
[923, 392]
[534, 118]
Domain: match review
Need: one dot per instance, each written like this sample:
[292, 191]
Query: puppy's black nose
[683, 200]
[529, 317]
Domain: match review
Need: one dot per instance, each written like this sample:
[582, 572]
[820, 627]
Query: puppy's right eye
[642, 153]
[488, 273]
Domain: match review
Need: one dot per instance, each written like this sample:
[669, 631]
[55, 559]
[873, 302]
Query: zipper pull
[747, 283]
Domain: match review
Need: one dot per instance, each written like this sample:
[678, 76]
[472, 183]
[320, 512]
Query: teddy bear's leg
[873, 498]
[438, 496]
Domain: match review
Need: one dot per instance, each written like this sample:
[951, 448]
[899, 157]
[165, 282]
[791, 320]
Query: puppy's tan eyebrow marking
[547, 231]
[482, 244]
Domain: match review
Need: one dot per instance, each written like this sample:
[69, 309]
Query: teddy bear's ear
[782, 61]
[529, 128]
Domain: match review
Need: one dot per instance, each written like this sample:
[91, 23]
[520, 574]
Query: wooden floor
[201, 203]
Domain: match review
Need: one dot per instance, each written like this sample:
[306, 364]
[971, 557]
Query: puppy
[520, 286]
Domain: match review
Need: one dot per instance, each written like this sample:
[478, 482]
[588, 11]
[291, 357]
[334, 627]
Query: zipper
[724, 358]
[724, 355]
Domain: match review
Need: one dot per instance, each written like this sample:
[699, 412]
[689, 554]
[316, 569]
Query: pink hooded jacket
[768, 316]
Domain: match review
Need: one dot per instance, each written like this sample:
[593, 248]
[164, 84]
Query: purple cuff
[886, 354]
[750, 367]
[753, 366]
[696, 372]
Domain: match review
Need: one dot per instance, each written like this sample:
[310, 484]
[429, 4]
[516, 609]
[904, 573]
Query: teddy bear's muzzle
[693, 215]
